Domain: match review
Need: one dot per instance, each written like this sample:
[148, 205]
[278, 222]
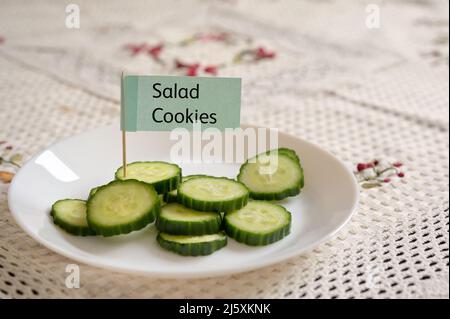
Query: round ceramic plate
[70, 168]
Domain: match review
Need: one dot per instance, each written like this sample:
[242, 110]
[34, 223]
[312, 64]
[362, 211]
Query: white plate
[69, 169]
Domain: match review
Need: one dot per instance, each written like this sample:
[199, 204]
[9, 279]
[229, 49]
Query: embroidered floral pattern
[376, 173]
[153, 51]
[435, 50]
[193, 69]
[208, 37]
[251, 55]
[8, 158]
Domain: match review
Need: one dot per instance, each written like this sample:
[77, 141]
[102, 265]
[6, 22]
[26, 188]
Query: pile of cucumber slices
[194, 214]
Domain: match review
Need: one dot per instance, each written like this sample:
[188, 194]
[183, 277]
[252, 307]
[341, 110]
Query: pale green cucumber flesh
[70, 215]
[164, 176]
[272, 176]
[94, 190]
[121, 207]
[212, 194]
[171, 197]
[258, 223]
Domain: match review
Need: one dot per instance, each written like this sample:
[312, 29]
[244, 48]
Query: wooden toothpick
[124, 136]
[124, 153]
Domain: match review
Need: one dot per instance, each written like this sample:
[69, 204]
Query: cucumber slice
[121, 207]
[293, 155]
[161, 199]
[171, 197]
[288, 152]
[179, 220]
[93, 191]
[162, 175]
[192, 245]
[70, 215]
[207, 193]
[282, 180]
[258, 223]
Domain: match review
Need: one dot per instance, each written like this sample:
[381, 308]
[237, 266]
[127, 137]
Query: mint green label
[163, 103]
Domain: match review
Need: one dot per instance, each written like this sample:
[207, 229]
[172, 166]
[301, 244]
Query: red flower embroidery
[211, 69]
[361, 166]
[153, 51]
[2, 39]
[372, 175]
[262, 53]
[180, 65]
[253, 55]
[156, 50]
[222, 36]
[192, 70]
[136, 48]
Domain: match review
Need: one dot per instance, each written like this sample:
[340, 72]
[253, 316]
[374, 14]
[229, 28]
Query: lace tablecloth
[316, 69]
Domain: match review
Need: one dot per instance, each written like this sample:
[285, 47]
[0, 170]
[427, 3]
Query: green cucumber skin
[302, 181]
[161, 187]
[292, 154]
[286, 151]
[223, 206]
[137, 224]
[74, 230]
[189, 228]
[93, 191]
[293, 191]
[255, 239]
[170, 197]
[214, 206]
[196, 249]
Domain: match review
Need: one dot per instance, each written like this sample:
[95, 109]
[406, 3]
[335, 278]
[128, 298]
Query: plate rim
[191, 274]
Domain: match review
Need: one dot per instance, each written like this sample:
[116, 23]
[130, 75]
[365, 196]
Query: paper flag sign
[163, 103]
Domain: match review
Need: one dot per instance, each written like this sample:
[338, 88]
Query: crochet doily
[318, 73]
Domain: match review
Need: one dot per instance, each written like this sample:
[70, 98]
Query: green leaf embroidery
[16, 158]
[370, 185]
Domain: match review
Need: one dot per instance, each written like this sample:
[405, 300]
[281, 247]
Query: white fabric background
[360, 93]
